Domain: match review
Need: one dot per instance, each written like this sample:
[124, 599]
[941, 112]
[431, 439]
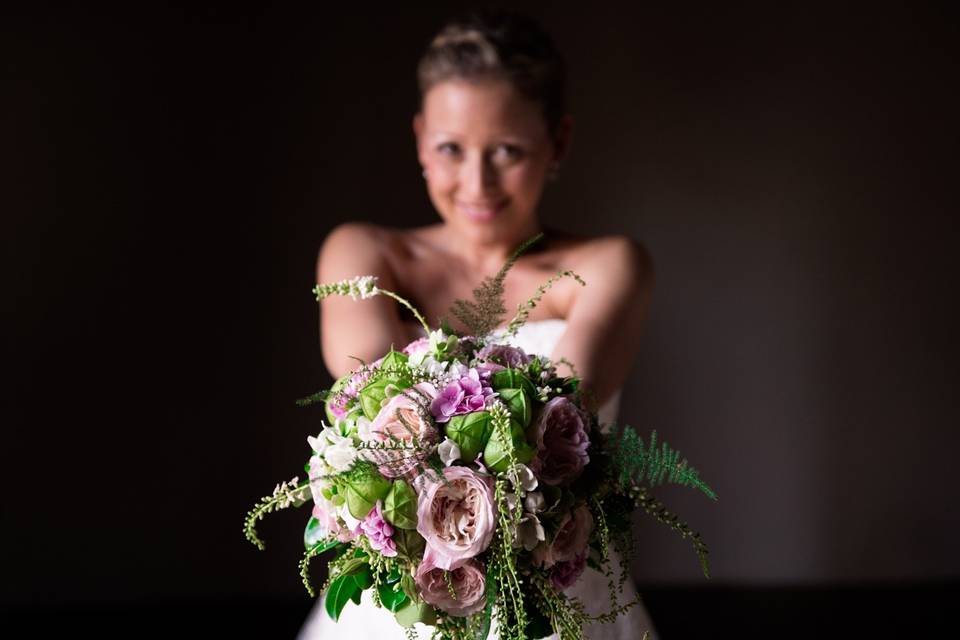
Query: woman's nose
[479, 177]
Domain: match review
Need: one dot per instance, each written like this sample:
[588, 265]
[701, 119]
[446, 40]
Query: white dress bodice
[368, 622]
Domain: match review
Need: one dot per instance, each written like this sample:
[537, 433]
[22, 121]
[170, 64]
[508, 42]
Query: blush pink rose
[570, 541]
[561, 435]
[467, 579]
[401, 425]
[455, 515]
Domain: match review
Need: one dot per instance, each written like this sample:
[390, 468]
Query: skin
[483, 143]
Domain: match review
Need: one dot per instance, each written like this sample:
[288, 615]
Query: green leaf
[340, 592]
[373, 395]
[392, 596]
[409, 586]
[314, 534]
[512, 379]
[353, 566]
[410, 544]
[363, 490]
[518, 403]
[497, 458]
[538, 626]
[470, 431]
[400, 505]
[363, 578]
[394, 360]
[415, 612]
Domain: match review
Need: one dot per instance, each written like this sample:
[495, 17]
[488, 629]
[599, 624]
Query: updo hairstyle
[498, 44]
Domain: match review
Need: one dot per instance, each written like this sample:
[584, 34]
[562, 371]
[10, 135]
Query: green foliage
[502, 453]
[470, 431]
[484, 313]
[415, 612]
[512, 379]
[287, 494]
[656, 509]
[523, 310]
[314, 398]
[400, 505]
[633, 462]
[362, 486]
[518, 404]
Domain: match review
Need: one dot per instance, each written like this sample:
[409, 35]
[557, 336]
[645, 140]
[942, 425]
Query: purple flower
[561, 435]
[504, 354]
[465, 395]
[566, 572]
[379, 532]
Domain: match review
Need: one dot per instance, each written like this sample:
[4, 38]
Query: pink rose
[467, 579]
[401, 427]
[562, 442]
[570, 541]
[455, 515]
[418, 346]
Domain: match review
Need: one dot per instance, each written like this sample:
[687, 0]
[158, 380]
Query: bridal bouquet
[467, 484]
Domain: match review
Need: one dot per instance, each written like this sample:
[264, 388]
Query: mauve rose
[398, 424]
[571, 538]
[505, 355]
[561, 436]
[455, 515]
[467, 578]
[565, 573]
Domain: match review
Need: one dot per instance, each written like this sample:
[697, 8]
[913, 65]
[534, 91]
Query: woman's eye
[448, 148]
[509, 151]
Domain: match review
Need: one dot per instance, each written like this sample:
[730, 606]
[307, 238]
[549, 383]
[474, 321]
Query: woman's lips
[480, 212]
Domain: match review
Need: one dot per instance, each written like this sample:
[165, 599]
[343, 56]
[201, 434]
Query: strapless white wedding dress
[366, 621]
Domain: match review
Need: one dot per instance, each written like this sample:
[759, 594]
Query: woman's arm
[363, 329]
[605, 321]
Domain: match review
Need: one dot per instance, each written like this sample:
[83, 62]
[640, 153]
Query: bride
[491, 130]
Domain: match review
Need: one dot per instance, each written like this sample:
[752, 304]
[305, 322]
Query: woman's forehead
[492, 107]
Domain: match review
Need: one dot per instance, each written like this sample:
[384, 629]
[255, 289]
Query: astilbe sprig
[363, 287]
[523, 309]
[285, 494]
[653, 507]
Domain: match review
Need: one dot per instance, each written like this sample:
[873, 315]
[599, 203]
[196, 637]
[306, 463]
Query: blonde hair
[498, 44]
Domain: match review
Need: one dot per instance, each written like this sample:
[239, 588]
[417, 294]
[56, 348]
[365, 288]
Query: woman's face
[487, 152]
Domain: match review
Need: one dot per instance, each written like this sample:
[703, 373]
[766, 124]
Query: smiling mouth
[481, 213]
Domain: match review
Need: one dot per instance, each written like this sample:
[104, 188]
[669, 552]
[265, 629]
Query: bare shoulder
[354, 248]
[616, 259]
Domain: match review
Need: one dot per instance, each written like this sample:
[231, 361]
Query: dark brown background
[169, 173]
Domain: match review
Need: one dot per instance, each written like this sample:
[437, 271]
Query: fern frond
[655, 508]
[635, 462]
[523, 310]
[286, 494]
[482, 315]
